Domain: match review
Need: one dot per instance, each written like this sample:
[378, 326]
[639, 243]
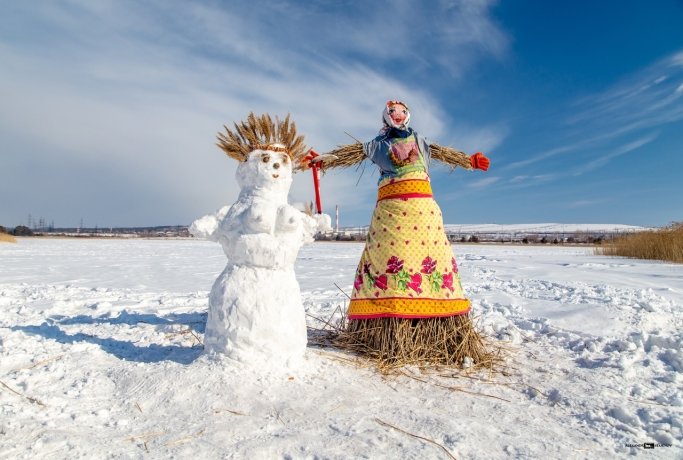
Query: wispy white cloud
[645, 99]
[537, 158]
[583, 203]
[677, 59]
[471, 138]
[604, 122]
[142, 88]
[528, 181]
[603, 159]
[485, 182]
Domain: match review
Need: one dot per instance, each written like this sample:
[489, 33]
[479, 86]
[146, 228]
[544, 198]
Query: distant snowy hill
[541, 228]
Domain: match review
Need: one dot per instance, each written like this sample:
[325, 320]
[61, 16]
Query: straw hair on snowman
[263, 133]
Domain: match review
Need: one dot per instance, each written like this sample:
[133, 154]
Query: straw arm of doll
[455, 158]
[343, 156]
[451, 157]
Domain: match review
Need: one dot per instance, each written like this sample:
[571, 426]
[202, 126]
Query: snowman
[255, 309]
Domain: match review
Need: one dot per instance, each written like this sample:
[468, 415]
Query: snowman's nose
[276, 165]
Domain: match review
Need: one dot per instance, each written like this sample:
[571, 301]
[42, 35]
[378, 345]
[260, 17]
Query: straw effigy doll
[407, 304]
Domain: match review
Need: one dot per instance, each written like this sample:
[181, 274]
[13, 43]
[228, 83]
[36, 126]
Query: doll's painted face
[398, 113]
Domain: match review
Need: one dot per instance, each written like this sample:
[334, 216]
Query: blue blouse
[398, 152]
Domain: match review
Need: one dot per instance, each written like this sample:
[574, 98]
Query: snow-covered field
[100, 357]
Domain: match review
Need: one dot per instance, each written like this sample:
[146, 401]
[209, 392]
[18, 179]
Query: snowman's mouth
[276, 176]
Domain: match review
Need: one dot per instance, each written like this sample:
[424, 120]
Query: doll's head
[396, 115]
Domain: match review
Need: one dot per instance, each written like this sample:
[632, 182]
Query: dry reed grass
[662, 244]
[7, 238]
[422, 438]
[450, 156]
[29, 398]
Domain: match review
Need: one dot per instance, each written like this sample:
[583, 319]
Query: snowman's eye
[392, 110]
[284, 159]
[405, 112]
[265, 158]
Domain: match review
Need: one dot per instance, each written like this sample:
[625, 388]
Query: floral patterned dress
[407, 269]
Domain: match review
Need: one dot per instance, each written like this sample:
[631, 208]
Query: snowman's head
[268, 169]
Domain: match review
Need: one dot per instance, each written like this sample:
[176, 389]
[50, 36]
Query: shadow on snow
[122, 349]
[196, 321]
[127, 350]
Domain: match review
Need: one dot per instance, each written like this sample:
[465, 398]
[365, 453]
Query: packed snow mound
[323, 222]
[255, 310]
[205, 227]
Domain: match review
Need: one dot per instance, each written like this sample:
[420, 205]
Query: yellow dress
[407, 269]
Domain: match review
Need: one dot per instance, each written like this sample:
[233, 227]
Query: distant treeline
[360, 234]
[346, 234]
[20, 230]
[147, 232]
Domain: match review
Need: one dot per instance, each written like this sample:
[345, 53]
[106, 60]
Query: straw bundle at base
[395, 342]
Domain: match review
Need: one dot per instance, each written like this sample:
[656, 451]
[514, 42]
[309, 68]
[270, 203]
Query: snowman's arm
[309, 227]
[314, 224]
[323, 223]
[205, 227]
[451, 157]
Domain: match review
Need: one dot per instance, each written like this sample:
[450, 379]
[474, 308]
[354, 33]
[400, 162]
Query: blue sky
[109, 109]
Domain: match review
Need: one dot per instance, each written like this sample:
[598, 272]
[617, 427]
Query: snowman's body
[255, 308]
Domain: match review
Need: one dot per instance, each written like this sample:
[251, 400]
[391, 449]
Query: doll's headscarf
[388, 122]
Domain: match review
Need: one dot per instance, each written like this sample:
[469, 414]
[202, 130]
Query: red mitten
[479, 161]
[307, 161]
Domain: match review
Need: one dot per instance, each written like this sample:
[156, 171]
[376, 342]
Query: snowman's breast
[259, 218]
[288, 219]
